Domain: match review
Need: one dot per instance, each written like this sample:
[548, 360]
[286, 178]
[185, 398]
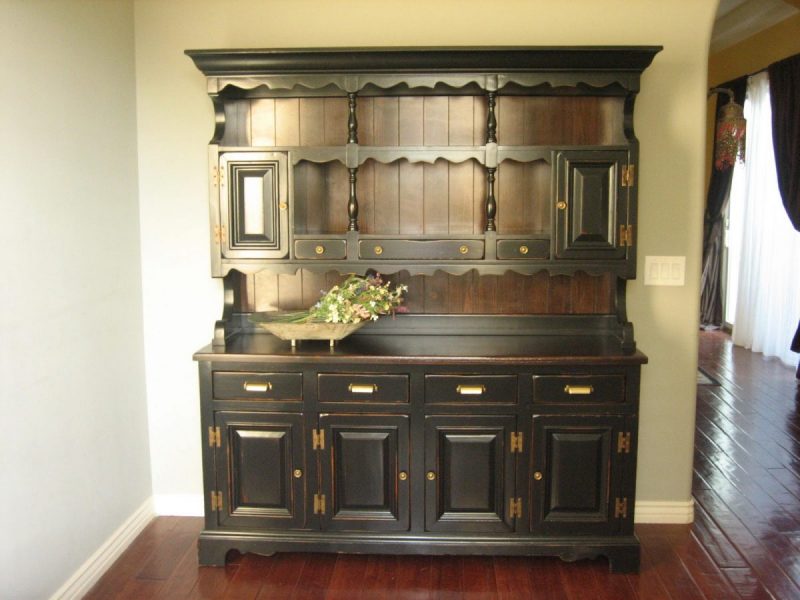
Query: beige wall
[75, 460]
[175, 123]
[756, 52]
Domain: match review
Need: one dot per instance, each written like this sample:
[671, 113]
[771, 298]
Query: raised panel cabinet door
[365, 472]
[591, 205]
[576, 477]
[469, 474]
[254, 209]
[261, 473]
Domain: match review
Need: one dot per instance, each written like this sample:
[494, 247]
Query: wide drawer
[523, 249]
[578, 389]
[257, 386]
[320, 249]
[344, 387]
[383, 249]
[494, 389]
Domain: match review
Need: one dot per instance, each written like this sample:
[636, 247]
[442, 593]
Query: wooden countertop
[428, 349]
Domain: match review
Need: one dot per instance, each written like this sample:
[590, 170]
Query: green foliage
[356, 299]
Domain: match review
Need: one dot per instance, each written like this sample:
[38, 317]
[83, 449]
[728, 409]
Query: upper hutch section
[453, 159]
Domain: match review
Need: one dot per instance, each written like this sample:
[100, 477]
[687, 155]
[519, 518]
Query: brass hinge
[215, 175]
[516, 441]
[219, 233]
[515, 508]
[319, 504]
[318, 439]
[216, 501]
[628, 175]
[620, 508]
[626, 235]
[214, 437]
[624, 442]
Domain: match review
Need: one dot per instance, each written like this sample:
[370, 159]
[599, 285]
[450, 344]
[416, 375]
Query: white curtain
[768, 296]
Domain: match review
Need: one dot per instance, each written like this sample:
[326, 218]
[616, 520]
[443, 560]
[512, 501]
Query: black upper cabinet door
[365, 472]
[576, 475]
[254, 205]
[469, 473]
[592, 204]
[260, 470]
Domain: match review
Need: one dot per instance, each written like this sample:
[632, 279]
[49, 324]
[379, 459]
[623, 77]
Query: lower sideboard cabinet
[426, 459]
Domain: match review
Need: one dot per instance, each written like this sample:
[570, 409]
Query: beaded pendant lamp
[729, 140]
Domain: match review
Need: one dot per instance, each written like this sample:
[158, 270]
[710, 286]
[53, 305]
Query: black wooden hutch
[500, 415]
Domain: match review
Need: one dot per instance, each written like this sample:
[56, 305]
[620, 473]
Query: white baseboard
[676, 513]
[178, 505]
[98, 563]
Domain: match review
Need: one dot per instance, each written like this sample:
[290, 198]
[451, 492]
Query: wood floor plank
[413, 578]
[132, 560]
[715, 542]
[647, 584]
[671, 569]
[698, 563]
[165, 556]
[315, 577]
[282, 578]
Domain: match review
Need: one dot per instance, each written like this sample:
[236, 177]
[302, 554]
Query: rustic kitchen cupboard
[500, 415]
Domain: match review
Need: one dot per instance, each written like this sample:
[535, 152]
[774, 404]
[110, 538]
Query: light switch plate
[665, 270]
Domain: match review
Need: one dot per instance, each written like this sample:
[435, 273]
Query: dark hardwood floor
[745, 542]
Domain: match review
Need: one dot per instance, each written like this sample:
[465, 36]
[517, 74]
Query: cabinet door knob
[378, 250]
[561, 205]
[298, 473]
[538, 475]
[523, 249]
[463, 249]
[319, 250]
[402, 476]
[430, 475]
[257, 386]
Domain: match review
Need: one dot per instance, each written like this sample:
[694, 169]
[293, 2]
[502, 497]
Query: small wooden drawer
[258, 386]
[578, 389]
[320, 249]
[420, 249]
[523, 249]
[343, 387]
[493, 389]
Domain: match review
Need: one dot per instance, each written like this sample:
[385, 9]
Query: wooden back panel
[442, 293]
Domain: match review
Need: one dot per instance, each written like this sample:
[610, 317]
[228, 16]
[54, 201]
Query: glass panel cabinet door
[592, 204]
[254, 205]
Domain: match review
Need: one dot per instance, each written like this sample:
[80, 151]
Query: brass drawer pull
[538, 475]
[578, 390]
[298, 473]
[463, 249]
[523, 249]
[257, 386]
[319, 250]
[402, 476]
[430, 476]
[362, 388]
[471, 390]
[378, 250]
